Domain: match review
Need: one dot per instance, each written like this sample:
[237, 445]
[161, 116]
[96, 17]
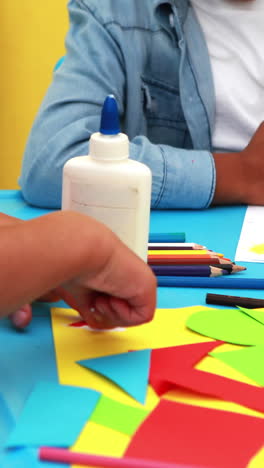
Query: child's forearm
[6, 220]
[41, 254]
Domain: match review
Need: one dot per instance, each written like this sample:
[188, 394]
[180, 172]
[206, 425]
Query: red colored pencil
[181, 260]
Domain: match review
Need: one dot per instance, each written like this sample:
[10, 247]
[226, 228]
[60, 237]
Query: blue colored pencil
[225, 282]
[167, 237]
[187, 270]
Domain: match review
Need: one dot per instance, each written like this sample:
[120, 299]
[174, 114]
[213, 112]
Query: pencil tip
[238, 268]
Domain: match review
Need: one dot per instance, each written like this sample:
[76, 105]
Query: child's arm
[240, 175]
[6, 220]
[80, 258]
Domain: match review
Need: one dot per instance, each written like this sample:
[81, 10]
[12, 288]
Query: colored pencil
[221, 299]
[174, 246]
[231, 269]
[186, 260]
[179, 252]
[223, 282]
[187, 270]
[58, 455]
[167, 237]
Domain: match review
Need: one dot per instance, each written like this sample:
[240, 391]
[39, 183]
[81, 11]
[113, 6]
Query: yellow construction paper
[167, 329]
[257, 461]
[76, 343]
[100, 440]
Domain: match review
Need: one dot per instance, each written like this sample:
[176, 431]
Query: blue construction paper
[26, 357]
[6, 421]
[53, 415]
[130, 371]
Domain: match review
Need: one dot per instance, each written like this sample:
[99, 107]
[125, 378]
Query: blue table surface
[28, 356]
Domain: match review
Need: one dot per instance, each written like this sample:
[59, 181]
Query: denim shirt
[152, 56]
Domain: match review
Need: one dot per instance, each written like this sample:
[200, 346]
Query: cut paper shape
[248, 361]
[7, 422]
[129, 371]
[257, 314]
[81, 323]
[53, 415]
[168, 376]
[101, 440]
[179, 433]
[168, 362]
[118, 416]
[166, 329]
[18, 371]
[228, 325]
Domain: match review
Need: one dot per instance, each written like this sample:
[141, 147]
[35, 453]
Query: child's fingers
[22, 317]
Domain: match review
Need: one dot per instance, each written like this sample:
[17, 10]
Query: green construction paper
[255, 314]
[248, 361]
[118, 416]
[228, 325]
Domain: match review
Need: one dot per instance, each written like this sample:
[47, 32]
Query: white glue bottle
[109, 186]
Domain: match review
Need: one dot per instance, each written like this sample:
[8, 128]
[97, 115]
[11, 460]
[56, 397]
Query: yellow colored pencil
[183, 252]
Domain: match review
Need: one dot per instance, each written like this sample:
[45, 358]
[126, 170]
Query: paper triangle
[248, 361]
[130, 371]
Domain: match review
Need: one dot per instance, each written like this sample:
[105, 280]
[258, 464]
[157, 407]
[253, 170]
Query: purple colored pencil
[187, 270]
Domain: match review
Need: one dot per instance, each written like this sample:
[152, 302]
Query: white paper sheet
[250, 247]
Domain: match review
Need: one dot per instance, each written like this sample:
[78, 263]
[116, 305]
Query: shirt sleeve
[70, 113]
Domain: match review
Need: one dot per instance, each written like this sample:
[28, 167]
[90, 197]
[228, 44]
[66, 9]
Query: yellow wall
[32, 36]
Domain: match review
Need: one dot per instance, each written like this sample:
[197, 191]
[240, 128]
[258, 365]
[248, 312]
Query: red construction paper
[78, 324]
[180, 433]
[173, 367]
[166, 363]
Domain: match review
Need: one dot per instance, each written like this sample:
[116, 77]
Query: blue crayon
[167, 237]
[225, 282]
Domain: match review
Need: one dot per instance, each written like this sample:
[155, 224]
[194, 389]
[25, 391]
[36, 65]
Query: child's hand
[73, 257]
[119, 293]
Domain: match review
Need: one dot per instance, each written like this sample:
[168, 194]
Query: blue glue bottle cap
[109, 117]
[109, 143]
